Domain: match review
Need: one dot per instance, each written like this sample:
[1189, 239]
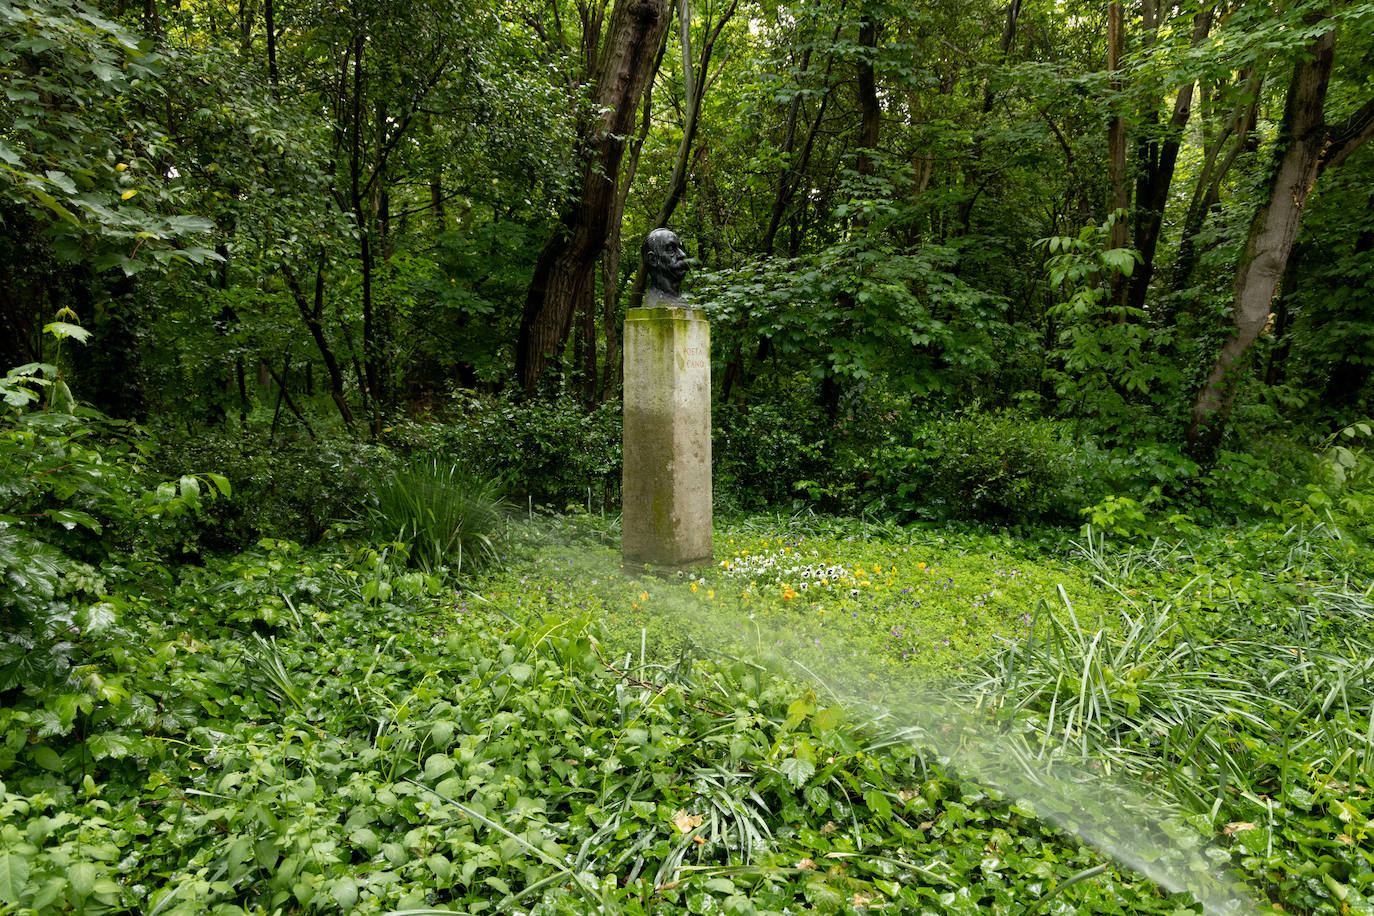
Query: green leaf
[47, 758]
[797, 770]
[14, 874]
[345, 893]
[827, 719]
[438, 765]
[70, 518]
[62, 330]
[82, 879]
[98, 617]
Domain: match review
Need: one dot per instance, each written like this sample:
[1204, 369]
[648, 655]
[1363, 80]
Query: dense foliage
[334, 220]
[310, 596]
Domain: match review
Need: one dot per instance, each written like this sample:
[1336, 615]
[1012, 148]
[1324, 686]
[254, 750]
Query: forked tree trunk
[1307, 146]
[564, 280]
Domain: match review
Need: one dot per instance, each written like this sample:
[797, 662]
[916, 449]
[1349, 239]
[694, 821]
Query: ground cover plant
[300, 743]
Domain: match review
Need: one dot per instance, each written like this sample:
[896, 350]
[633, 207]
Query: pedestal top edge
[665, 313]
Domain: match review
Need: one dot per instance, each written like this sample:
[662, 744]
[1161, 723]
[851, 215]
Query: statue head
[666, 261]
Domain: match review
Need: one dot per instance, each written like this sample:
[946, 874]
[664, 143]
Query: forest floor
[838, 716]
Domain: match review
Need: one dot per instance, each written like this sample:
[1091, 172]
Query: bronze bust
[666, 262]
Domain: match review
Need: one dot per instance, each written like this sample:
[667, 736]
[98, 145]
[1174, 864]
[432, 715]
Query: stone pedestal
[666, 522]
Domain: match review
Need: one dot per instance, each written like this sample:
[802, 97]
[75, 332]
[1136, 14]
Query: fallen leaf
[686, 823]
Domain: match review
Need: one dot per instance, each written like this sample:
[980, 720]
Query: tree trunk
[1116, 147]
[564, 275]
[313, 316]
[1157, 175]
[869, 106]
[610, 264]
[1207, 191]
[976, 181]
[1307, 146]
[270, 29]
[696, 80]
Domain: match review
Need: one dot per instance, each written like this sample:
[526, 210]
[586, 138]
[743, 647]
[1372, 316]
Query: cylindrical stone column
[666, 493]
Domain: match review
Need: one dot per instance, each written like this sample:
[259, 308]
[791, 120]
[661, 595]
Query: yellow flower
[643, 596]
[694, 588]
[711, 593]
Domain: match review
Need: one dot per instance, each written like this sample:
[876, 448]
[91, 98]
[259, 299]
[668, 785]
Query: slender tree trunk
[313, 316]
[696, 83]
[269, 24]
[1207, 191]
[1116, 147]
[871, 112]
[792, 175]
[1157, 175]
[789, 179]
[975, 181]
[564, 275]
[248, 14]
[284, 393]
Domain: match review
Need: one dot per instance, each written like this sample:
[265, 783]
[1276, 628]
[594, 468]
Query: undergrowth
[275, 733]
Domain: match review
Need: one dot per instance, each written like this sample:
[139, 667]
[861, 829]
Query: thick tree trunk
[1306, 146]
[610, 264]
[564, 275]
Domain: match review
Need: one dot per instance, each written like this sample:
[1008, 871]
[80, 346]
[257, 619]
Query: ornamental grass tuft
[449, 516]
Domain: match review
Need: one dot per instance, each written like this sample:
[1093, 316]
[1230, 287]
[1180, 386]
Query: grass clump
[450, 517]
[1237, 684]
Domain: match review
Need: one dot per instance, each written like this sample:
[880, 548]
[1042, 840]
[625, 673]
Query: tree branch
[1347, 136]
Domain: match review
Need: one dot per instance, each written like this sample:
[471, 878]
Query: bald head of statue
[666, 261]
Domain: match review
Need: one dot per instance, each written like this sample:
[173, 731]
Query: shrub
[291, 489]
[554, 453]
[763, 449]
[1000, 466]
[78, 510]
[449, 516]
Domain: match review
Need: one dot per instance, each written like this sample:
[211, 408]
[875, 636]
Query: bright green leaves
[67, 151]
[1107, 352]
[63, 330]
